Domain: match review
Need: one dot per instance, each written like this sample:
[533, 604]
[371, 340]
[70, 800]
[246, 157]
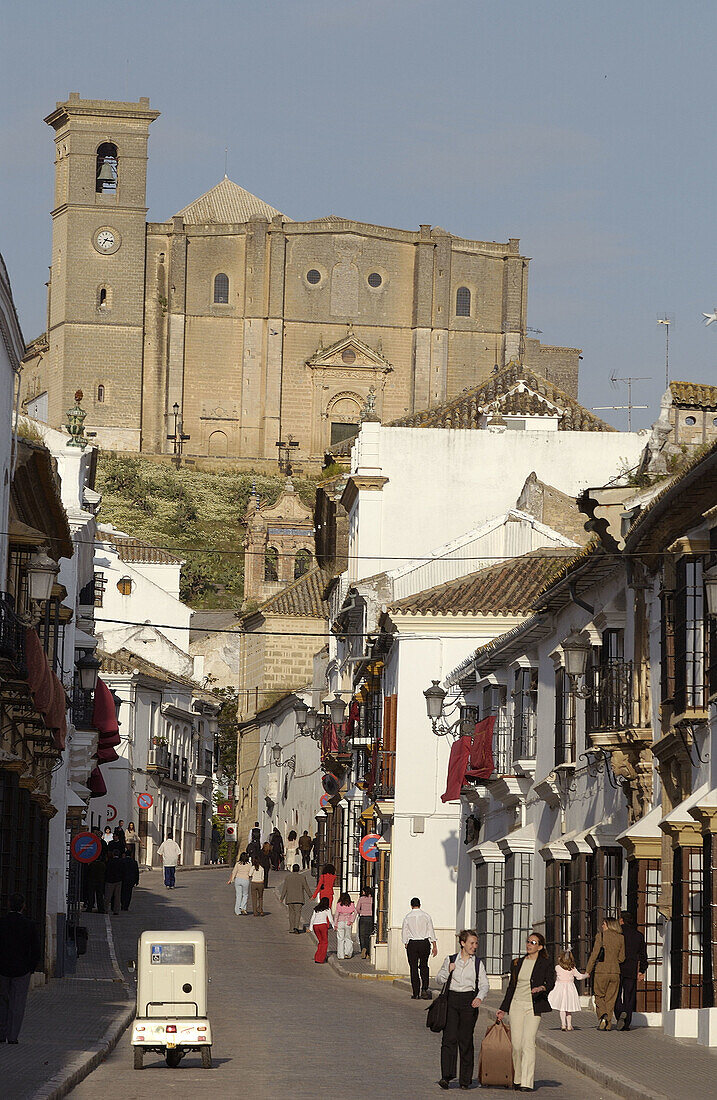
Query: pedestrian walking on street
[526, 999]
[326, 883]
[256, 881]
[291, 855]
[19, 955]
[305, 843]
[345, 917]
[107, 835]
[214, 844]
[294, 891]
[315, 852]
[119, 835]
[607, 954]
[253, 847]
[320, 923]
[563, 996]
[468, 989]
[170, 853]
[113, 880]
[277, 849]
[264, 858]
[364, 908]
[419, 939]
[240, 878]
[634, 964]
[132, 841]
[95, 881]
[130, 877]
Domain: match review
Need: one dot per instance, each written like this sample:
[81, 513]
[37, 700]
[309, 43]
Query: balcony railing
[12, 636]
[82, 709]
[158, 758]
[525, 726]
[502, 744]
[609, 704]
[385, 785]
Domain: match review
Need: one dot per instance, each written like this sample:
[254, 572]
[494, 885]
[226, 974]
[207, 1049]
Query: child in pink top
[564, 996]
[345, 917]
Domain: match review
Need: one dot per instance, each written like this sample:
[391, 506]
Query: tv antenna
[630, 405]
[666, 320]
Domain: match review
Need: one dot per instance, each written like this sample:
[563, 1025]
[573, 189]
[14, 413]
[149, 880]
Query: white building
[12, 349]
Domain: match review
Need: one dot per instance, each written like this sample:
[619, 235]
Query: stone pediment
[349, 353]
[288, 508]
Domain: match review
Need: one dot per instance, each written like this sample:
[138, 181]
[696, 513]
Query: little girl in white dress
[564, 996]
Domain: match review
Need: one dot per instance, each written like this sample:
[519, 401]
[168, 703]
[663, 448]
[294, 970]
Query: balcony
[525, 728]
[502, 744]
[158, 758]
[83, 706]
[608, 707]
[384, 788]
[12, 638]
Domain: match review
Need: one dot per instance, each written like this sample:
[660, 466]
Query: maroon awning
[457, 765]
[106, 754]
[96, 784]
[104, 715]
[48, 694]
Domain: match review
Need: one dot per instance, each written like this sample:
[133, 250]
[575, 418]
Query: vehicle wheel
[206, 1057]
[138, 1058]
[174, 1057]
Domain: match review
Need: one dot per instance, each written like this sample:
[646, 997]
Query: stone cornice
[361, 483]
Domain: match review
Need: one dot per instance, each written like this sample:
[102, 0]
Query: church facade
[240, 327]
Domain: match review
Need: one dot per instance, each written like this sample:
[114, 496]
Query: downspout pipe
[576, 599]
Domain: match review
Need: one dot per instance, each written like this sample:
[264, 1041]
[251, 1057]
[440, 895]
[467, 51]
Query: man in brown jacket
[294, 891]
[607, 954]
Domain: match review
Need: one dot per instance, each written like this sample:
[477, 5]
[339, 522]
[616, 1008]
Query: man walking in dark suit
[19, 955]
[635, 960]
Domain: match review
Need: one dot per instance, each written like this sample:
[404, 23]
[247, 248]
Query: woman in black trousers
[467, 989]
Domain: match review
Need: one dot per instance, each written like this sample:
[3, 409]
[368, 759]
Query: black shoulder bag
[437, 1011]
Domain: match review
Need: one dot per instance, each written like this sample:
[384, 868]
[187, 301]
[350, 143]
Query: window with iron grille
[643, 894]
[558, 914]
[525, 709]
[604, 869]
[687, 947]
[709, 920]
[382, 901]
[610, 684]
[689, 636]
[221, 289]
[494, 705]
[463, 302]
[518, 908]
[490, 887]
[580, 940]
[175, 767]
[184, 774]
[667, 645]
[100, 583]
[564, 719]
[17, 579]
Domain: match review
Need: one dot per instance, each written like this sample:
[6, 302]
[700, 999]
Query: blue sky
[585, 129]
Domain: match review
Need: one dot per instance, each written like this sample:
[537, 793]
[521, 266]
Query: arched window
[221, 289]
[271, 564]
[302, 563]
[463, 302]
[100, 393]
[106, 175]
[218, 444]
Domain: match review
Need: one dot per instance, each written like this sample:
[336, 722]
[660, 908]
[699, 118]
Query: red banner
[481, 762]
[457, 764]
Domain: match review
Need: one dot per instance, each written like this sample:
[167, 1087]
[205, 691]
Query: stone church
[240, 327]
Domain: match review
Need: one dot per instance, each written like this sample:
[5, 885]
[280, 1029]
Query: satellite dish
[330, 784]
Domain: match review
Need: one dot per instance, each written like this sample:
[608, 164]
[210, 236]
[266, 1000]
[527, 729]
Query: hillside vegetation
[199, 514]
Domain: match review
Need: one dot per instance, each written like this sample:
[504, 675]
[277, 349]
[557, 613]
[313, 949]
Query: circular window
[348, 355]
[313, 276]
[374, 279]
[690, 420]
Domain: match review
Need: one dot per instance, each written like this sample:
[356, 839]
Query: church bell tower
[96, 289]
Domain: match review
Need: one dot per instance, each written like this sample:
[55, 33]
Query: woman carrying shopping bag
[526, 999]
[467, 990]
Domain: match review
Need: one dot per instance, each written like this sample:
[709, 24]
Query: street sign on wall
[368, 847]
[324, 801]
[224, 809]
[86, 847]
[230, 831]
[144, 801]
[111, 812]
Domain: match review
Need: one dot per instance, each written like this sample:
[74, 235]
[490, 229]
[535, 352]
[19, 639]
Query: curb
[64, 1082]
[335, 964]
[595, 1071]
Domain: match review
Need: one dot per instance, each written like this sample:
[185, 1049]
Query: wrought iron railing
[609, 704]
[12, 636]
[525, 726]
[83, 705]
[385, 785]
[158, 757]
[502, 743]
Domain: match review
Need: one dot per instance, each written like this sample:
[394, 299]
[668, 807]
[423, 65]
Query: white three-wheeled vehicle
[172, 997]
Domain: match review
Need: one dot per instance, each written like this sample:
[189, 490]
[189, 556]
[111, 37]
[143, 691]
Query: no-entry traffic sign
[324, 801]
[144, 801]
[86, 847]
[368, 848]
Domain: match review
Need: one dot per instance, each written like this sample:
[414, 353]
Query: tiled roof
[514, 390]
[124, 662]
[303, 599]
[680, 504]
[134, 550]
[226, 204]
[694, 395]
[509, 588]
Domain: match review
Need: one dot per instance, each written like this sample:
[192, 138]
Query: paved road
[284, 1027]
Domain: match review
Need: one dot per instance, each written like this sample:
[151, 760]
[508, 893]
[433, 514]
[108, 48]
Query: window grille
[271, 564]
[518, 908]
[643, 893]
[384, 874]
[494, 705]
[564, 719]
[709, 921]
[302, 563]
[579, 925]
[490, 887]
[667, 646]
[686, 952]
[100, 583]
[689, 636]
[463, 302]
[525, 709]
[609, 704]
[221, 289]
[558, 906]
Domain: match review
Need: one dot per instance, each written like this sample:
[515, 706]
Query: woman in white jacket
[467, 991]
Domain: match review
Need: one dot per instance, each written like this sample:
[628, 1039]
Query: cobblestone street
[282, 1025]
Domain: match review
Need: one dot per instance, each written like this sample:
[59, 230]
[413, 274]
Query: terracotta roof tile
[694, 395]
[302, 599]
[509, 588]
[515, 390]
[124, 661]
[134, 550]
[227, 204]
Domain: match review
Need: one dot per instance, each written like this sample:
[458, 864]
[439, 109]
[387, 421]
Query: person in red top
[325, 886]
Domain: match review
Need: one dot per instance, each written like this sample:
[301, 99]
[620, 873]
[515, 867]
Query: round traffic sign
[144, 801]
[324, 801]
[111, 812]
[368, 848]
[86, 847]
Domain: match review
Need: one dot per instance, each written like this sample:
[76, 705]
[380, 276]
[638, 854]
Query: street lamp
[576, 648]
[301, 710]
[41, 573]
[434, 696]
[710, 579]
[310, 720]
[336, 709]
[276, 754]
[88, 667]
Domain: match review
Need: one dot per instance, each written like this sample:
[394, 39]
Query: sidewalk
[70, 1024]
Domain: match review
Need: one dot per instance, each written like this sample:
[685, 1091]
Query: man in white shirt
[169, 852]
[417, 934]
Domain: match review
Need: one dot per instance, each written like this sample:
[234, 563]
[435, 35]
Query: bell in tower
[106, 179]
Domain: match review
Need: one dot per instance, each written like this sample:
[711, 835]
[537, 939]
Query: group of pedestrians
[108, 882]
